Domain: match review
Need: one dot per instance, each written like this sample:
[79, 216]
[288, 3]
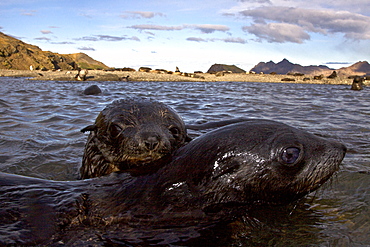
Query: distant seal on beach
[81, 75]
[213, 179]
[358, 83]
[126, 78]
[131, 133]
[92, 90]
[333, 75]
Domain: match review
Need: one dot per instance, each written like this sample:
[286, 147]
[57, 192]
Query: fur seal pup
[131, 133]
[212, 179]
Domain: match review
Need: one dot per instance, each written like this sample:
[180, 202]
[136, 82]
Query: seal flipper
[88, 128]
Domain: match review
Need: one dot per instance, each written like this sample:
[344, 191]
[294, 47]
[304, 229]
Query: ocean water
[40, 136]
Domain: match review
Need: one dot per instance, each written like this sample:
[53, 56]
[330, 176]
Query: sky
[193, 35]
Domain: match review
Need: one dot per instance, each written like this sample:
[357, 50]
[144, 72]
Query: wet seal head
[131, 133]
[255, 162]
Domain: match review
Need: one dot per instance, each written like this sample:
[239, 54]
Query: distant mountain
[359, 68]
[15, 54]
[285, 67]
[223, 67]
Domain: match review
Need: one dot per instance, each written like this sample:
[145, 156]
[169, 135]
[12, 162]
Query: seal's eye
[290, 155]
[115, 130]
[175, 132]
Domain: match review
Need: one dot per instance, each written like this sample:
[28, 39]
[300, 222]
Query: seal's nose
[151, 142]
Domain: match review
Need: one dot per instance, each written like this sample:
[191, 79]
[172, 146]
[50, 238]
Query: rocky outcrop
[226, 68]
[17, 55]
[285, 67]
[360, 68]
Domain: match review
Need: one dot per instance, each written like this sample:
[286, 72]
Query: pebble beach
[101, 75]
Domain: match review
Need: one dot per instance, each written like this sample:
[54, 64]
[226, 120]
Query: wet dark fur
[217, 176]
[129, 134]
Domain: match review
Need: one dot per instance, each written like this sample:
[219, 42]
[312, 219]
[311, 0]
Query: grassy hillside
[17, 55]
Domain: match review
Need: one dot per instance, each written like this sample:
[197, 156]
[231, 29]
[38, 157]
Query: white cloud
[107, 38]
[209, 28]
[356, 6]
[140, 14]
[278, 32]
[29, 13]
[338, 63]
[234, 40]
[63, 43]
[302, 21]
[204, 28]
[226, 40]
[156, 27]
[84, 48]
[46, 31]
[256, 1]
[43, 38]
[149, 33]
[196, 39]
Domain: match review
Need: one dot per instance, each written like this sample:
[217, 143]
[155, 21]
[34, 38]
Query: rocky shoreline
[136, 76]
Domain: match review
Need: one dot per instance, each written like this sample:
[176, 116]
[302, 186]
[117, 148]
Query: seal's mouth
[138, 166]
[144, 159]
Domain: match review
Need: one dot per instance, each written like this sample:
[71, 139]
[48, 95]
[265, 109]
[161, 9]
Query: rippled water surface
[40, 136]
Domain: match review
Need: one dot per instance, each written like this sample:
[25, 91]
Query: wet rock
[92, 90]
[144, 69]
[318, 77]
[287, 79]
[128, 69]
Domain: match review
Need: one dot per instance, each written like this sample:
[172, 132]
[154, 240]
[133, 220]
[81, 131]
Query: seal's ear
[89, 128]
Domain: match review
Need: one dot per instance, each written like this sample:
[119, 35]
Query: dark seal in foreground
[129, 134]
[210, 180]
